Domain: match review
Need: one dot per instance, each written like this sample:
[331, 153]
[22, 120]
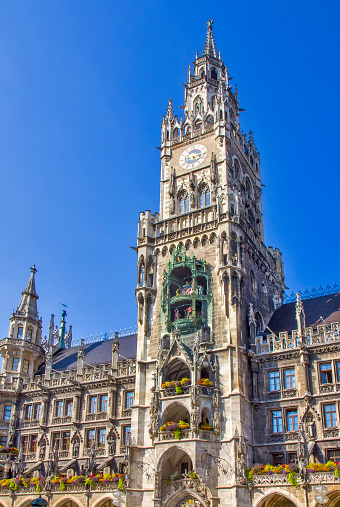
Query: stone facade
[221, 374]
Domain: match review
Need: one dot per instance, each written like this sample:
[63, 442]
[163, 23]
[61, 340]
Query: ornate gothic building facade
[221, 374]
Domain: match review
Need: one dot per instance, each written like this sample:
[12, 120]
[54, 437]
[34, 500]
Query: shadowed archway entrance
[276, 500]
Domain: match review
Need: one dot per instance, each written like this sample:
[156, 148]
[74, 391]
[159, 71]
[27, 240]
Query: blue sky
[83, 87]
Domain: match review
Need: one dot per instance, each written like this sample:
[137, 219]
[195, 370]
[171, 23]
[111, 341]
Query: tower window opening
[204, 197]
[29, 334]
[167, 135]
[15, 364]
[20, 333]
[221, 115]
[184, 204]
[7, 412]
[213, 74]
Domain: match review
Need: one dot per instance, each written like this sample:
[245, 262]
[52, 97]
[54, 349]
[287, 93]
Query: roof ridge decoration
[122, 333]
[210, 46]
[313, 293]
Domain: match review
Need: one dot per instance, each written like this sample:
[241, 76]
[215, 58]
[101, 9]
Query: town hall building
[224, 372]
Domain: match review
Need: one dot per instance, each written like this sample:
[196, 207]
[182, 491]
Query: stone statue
[76, 448]
[217, 421]
[112, 446]
[91, 460]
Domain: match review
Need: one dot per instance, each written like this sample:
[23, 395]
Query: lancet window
[204, 196]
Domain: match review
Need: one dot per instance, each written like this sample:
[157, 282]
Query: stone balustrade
[71, 488]
[170, 392]
[282, 479]
[70, 377]
[318, 335]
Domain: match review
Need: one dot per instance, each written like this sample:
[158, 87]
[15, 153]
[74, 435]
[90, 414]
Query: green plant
[178, 433]
[121, 485]
[88, 482]
[292, 479]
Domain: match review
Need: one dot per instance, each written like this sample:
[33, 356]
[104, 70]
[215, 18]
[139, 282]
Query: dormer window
[213, 74]
[20, 333]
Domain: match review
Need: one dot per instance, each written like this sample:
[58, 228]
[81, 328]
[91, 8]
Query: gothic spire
[28, 305]
[209, 46]
[170, 112]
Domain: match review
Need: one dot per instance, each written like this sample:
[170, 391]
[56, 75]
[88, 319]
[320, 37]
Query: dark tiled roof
[95, 353]
[327, 307]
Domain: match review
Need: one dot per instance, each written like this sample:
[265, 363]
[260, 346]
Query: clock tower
[206, 287]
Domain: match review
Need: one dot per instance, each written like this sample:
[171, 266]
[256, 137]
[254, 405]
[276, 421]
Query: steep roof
[327, 307]
[95, 354]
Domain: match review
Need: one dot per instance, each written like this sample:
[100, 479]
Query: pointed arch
[275, 499]
[183, 202]
[204, 195]
[68, 501]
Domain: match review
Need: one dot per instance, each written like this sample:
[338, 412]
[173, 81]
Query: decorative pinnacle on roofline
[210, 46]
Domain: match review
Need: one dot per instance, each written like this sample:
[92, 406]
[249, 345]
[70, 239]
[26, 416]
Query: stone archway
[334, 499]
[185, 498]
[276, 500]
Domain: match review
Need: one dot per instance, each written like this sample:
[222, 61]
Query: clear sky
[83, 87]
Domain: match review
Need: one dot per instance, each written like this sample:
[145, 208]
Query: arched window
[248, 187]
[213, 73]
[221, 115]
[210, 120]
[213, 102]
[184, 203]
[252, 282]
[20, 331]
[204, 197]
[236, 168]
[175, 132]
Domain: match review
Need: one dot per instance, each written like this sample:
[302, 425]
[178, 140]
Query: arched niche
[176, 412]
[176, 370]
[176, 461]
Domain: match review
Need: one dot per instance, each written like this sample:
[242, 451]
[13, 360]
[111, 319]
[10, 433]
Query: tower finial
[209, 46]
[170, 112]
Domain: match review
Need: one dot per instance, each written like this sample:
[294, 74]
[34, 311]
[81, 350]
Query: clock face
[193, 156]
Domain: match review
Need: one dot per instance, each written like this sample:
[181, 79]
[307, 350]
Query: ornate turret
[22, 351]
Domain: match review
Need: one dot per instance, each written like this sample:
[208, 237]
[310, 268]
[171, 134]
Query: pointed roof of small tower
[170, 112]
[210, 46]
[28, 305]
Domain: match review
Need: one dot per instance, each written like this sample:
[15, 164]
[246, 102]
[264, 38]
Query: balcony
[284, 394]
[170, 392]
[331, 432]
[30, 424]
[187, 434]
[62, 420]
[100, 416]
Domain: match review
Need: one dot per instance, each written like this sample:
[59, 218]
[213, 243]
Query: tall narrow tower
[21, 351]
[206, 287]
